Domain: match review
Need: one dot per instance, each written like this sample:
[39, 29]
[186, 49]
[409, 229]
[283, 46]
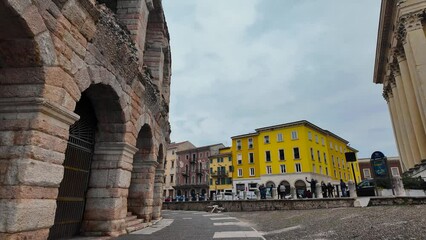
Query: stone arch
[111, 4]
[141, 191]
[287, 186]
[300, 186]
[110, 169]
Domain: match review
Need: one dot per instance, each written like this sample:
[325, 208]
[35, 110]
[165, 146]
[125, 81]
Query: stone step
[137, 227]
[129, 214]
[134, 222]
[130, 218]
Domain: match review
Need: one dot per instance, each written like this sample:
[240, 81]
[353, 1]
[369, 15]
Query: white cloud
[241, 65]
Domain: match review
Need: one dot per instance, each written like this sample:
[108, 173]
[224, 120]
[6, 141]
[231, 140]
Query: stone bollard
[293, 192]
[197, 197]
[214, 196]
[318, 191]
[275, 193]
[399, 186]
[352, 189]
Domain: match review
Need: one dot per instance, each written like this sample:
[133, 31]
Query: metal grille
[72, 190]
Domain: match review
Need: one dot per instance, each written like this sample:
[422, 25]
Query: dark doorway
[78, 157]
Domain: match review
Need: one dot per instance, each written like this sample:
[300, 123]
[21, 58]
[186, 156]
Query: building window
[296, 154]
[266, 139]
[173, 152]
[268, 156]
[312, 154]
[279, 137]
[298, 167]
[332, 160]
[164, 179]
[294, 135]
[251, 157]
[251, 171]
[319, 156]
[281, 154]
[331, 145]
[338, 162]
[240, 172]
[187, 156]
[250, 143]
[238, 144]
[239, 159]
[326, 171]
[341, 149]
[309, 136]
[268, 170]
[322, 141]
[325, 158]
[171, 178]
[395, 171]
[201, 155]
[282, 168]
[367, 173]
[173, 164]
[316, 138]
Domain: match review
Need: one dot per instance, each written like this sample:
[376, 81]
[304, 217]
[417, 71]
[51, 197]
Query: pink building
[192, 171]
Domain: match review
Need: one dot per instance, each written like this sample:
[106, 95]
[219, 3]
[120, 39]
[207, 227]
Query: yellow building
[288, 154]
[221, 172]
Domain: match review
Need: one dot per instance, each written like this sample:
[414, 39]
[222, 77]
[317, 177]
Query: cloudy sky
[239, 65]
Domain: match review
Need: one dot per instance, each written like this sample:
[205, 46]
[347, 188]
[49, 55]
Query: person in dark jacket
[324, 189]
[313, 183]
[330, 189]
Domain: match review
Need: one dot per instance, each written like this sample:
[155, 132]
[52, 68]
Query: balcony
[219, 174]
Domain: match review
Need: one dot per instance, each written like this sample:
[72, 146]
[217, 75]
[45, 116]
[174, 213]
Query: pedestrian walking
[262, 190]
[282, 191]
[323, 189]
[343, 187]
[330, 189]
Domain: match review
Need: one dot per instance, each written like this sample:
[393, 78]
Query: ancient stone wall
[52, 53]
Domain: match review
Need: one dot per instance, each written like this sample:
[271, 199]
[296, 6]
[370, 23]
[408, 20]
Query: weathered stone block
[31, 172]
[106, 208]
[26, 214]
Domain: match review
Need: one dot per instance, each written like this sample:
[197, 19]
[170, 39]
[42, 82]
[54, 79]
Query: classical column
[158, 199]
[387, 94]
[411, 34]
[141, 192]
[106, 200]
[401, 126]
[413, 109]
[405, 115]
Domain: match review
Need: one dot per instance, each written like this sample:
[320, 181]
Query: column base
[40, 234]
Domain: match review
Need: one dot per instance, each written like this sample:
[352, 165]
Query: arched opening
[287, 186]
[270, 186]
[111, 4]
[78, 157]
[141, 190]
[300, 186]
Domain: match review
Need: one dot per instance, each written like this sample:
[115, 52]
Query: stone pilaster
[106, 200]
[141, 192]
[412, 106]
[411, 34]
[158, 200]
[33, 139]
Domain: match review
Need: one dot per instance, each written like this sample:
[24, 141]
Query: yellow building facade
[288, 154]
[220, 172]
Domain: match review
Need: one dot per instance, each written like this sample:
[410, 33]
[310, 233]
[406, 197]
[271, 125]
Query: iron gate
[72, 190]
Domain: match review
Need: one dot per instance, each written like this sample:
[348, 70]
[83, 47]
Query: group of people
[326, 189]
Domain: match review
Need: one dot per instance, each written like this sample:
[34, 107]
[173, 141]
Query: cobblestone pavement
[383, 222]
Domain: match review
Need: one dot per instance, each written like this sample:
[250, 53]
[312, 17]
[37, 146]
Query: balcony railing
[219, 173]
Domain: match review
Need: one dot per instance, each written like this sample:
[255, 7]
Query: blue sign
[377, 155]
[379, 165]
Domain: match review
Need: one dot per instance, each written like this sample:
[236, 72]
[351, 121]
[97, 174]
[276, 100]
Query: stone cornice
[116, 148]
[413, 20]
[41, 105]
[394, 67]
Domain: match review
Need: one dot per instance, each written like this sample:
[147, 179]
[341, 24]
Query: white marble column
[401, 126]
[387, 94]
[412, 36]
[407, 125]
[406, 81]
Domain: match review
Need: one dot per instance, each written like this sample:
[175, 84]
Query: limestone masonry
[84, 98]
